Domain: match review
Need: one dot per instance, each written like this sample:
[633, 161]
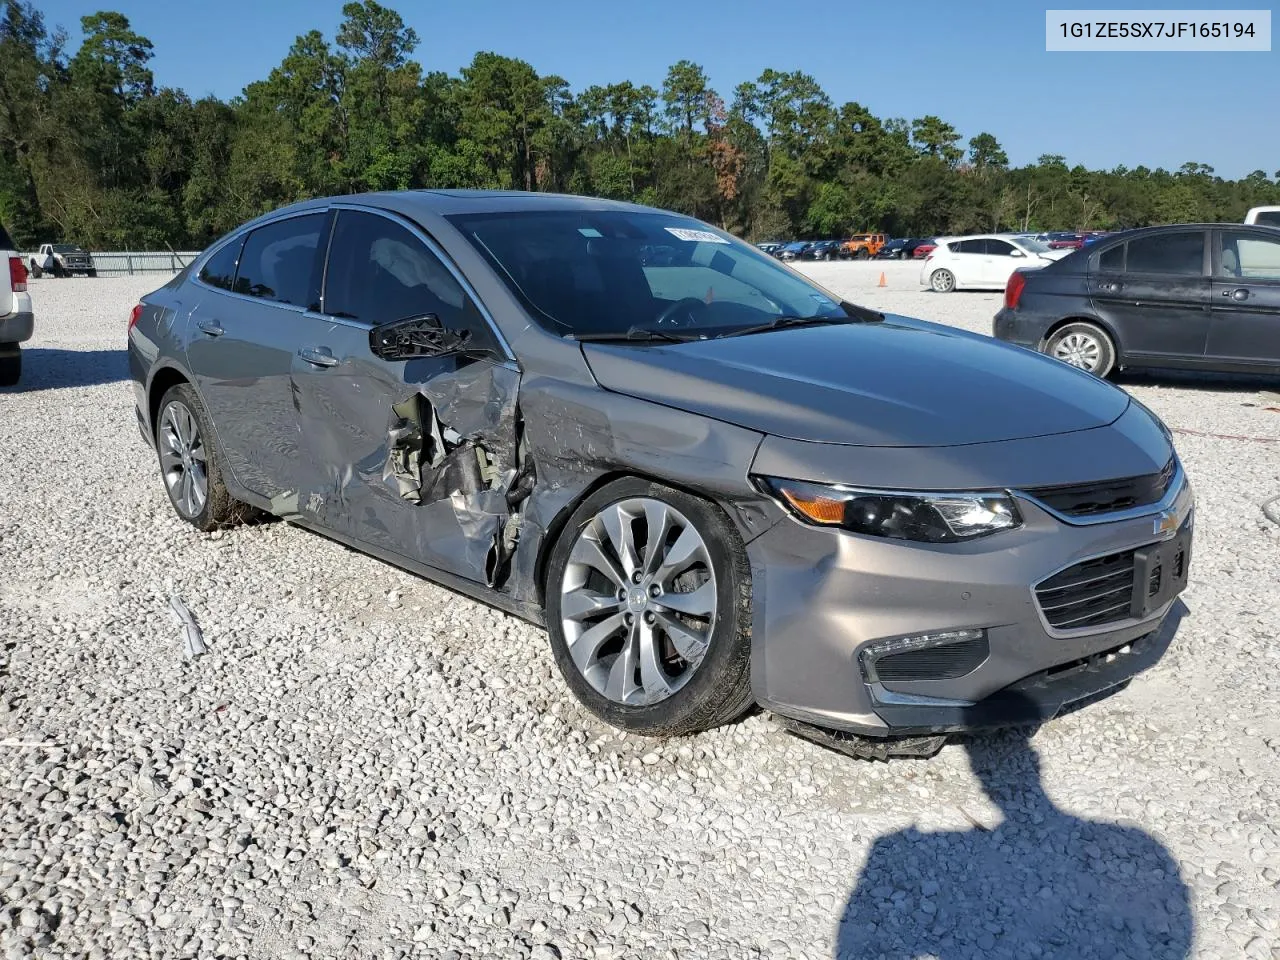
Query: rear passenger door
[410, 457]
[1245, 325]
[1154, 292]
[247, 323]
[967, 261]
[1001, 259]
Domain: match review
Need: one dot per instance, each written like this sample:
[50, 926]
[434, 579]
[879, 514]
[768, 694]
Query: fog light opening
[942, 655]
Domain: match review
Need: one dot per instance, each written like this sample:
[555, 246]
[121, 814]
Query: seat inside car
[1230, 263]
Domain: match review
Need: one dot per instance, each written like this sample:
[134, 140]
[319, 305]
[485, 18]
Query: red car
[924, 250]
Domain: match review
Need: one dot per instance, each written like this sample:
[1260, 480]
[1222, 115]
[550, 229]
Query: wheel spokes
[589, 551]
[587, 646]
[657, 520]
[582, 603]
[617, 524]
[687, 548]
[653, 679]
[689, 643]
[697, 603]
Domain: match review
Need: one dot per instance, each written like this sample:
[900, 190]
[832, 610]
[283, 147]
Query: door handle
[1239, 294]
[210, 327]
[1111, 287]
[319, 356]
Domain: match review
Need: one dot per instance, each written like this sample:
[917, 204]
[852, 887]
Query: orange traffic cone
[883, 282]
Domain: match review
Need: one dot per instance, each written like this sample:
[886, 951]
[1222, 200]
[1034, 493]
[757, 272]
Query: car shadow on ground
[1195, 380]
[52, 368]
[1042, 883]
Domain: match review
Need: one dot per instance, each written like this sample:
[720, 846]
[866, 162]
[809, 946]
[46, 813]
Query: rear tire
[942, 281]
[862, 254]
[698, 673]
[10, 368]
[188, 454]
[1085, 346]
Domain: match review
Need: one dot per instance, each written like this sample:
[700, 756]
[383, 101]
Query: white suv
[1264, 216]
[17, 321]
[983, 261]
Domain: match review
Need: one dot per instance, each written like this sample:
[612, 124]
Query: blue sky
[980, 66]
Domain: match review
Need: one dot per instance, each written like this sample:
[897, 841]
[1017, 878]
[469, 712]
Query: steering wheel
[667, 316]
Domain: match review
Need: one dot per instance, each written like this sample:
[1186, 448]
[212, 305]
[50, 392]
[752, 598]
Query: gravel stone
[366, 764]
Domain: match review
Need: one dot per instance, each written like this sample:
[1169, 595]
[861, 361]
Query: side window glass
[1168, 253]
[379, 271]
[1249, 257]
[1112, 260]
[999, 248]
[220, 269]
[278, 262]
[968, 246]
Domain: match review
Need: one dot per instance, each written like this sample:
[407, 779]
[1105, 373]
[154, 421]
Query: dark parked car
[715, 482]
[1196, 296]
[793, 250]
[822, 250]
[902, 248]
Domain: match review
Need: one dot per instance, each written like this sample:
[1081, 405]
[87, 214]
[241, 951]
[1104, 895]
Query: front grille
[1089, 594]
[1108, 496]
[947, 662]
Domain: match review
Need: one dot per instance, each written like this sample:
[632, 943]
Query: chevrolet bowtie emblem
[1166, 524]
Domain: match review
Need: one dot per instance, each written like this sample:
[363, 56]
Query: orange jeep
[863, 246]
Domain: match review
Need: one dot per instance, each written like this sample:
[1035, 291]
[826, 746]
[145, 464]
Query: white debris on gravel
[365, 764]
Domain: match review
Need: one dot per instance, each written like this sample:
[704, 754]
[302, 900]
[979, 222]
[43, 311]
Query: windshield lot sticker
[696, 236]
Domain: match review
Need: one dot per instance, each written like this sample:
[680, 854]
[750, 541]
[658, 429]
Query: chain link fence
[128, 263]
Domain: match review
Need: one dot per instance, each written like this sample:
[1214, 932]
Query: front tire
[1083, 345]
[10, 368]
[862, 254]
[191, 464]
[37, 271]
[942, 281]
[649, 610]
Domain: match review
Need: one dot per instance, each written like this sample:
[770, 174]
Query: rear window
[1268, 218]
[279, 259]
[220, 269]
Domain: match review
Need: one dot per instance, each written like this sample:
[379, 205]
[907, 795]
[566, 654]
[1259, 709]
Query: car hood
[900, 383]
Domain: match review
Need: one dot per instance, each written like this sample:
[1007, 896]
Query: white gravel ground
[367, 765]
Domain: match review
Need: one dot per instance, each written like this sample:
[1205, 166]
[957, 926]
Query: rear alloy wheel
[10, 368]
[942, 281]
[1083, 345]
[648, 609]
[190, 463]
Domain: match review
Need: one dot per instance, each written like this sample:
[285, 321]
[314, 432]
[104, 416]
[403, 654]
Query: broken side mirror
[423, 336]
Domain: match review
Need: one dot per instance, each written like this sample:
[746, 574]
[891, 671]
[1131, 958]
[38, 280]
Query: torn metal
[192, 638]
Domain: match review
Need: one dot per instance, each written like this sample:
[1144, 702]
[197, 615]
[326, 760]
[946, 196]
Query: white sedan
[983, 261]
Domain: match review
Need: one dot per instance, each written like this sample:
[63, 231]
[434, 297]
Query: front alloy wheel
[648, 591]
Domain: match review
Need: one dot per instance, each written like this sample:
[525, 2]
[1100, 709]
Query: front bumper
[822, 596]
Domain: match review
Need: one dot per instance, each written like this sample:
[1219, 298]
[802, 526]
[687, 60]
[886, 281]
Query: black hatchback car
[1196, 296]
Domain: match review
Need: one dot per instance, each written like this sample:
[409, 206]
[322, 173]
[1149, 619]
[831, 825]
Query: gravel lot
[367, 765]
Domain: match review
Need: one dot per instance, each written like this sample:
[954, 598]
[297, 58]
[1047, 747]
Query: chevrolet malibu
[714, 482]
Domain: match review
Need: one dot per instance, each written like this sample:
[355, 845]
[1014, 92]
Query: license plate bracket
[1159, 574]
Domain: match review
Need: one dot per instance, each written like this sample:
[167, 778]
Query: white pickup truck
[62, 260]
[1264, 216]
[17, 321]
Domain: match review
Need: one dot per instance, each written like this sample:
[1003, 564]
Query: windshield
[65, 248]
[591, 272]
[1033, 244]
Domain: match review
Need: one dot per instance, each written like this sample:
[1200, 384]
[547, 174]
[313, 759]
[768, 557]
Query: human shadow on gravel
[1042, 884]
[52, 368]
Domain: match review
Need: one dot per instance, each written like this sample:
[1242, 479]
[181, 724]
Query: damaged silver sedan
[714, 482]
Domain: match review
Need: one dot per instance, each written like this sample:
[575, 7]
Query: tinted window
[968, 246]
[1000, 248]
[279, 259]
[1174, 253]
[1112, 259]
[220, 269]
[1250, 257]
[379, 272]
[1268, 218]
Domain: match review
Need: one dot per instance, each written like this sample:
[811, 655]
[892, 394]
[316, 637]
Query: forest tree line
[93, 151]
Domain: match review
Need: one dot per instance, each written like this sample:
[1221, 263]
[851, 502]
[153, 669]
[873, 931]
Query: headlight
[927, 517]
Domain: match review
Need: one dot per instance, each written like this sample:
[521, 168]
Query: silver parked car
[714, 482]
